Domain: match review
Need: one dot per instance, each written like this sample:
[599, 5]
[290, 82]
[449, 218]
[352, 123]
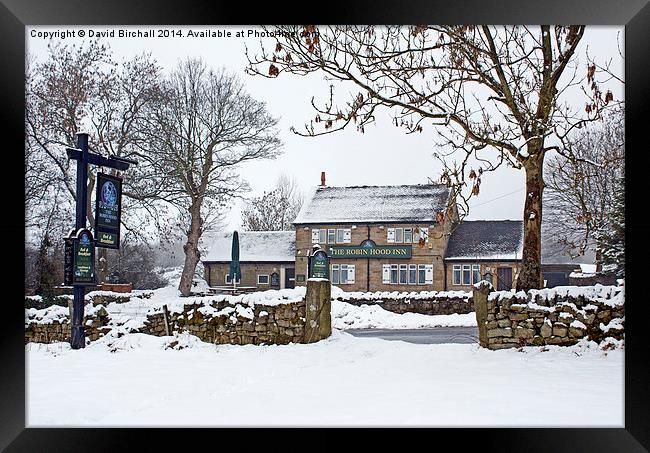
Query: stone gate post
[318, 310]
[481, 292]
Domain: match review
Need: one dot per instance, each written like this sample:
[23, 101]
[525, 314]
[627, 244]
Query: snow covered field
[140, 380]
[340, 381]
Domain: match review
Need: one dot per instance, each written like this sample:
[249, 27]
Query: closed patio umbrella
[235, 269]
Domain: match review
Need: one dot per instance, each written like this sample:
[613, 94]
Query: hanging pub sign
[83, 258]
[108, 208]
[319, 265]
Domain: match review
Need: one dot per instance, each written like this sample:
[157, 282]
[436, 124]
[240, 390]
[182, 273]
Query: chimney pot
[322, 178]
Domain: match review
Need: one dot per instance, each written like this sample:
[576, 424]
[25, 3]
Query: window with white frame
[344, 235]
[335, 272]
[413, 274]
[467, 274]
[407, 274]
[408, 235]
[403, 274]
[390, 234]
[455, 280]
[262, 279]
[319, 236]
[394, 269]
[476, 273]
[422, 274]
[331, 236]
[229, 280]
[342, 274]
[428, 273]
[399, 235]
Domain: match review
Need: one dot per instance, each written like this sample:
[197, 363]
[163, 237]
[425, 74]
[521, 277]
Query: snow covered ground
[140, 380]
[348, 316]
[340, 381]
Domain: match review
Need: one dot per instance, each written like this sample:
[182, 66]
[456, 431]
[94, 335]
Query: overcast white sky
[382, 155]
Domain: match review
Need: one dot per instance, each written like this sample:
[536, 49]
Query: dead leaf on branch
[591, 71]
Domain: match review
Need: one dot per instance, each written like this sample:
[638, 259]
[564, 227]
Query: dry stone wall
[52, 324]
[260, 318]
[424, 302]
[558, 316]
[223, 322]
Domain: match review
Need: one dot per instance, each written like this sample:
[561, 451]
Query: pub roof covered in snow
[373, 204]
[269, 246]
[486, 240]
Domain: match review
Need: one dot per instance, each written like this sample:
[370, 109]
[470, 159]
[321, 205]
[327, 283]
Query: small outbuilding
[484, 249]
[267, 259]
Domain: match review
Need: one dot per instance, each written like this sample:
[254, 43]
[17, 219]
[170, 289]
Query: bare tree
[276, 209]
[83, 89]
[202, 127]
[580, 195]
[495, 93]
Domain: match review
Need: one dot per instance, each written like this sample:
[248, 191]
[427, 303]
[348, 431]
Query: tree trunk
[530, 275]
[599, 261]
[102, 265]
[191, 249]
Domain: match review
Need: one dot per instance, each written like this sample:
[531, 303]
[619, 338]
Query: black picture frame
[635, 15]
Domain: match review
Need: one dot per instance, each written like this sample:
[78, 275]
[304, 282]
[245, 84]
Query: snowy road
[341, 381]
[436, 335]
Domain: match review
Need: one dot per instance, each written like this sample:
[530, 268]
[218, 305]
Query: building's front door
[504, 278]
[289, 277]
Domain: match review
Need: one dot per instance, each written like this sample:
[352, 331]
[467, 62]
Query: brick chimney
[322, 178]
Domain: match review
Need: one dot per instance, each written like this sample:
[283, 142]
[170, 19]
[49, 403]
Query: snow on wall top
[406, 203]
[610, 295]
[487, 240]
[272, 246]
[338, 294]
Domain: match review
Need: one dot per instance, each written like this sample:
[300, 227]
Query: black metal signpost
[80, 246]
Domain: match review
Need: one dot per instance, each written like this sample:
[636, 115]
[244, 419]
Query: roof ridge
[492, 220]
[385, 185]
[262, 231]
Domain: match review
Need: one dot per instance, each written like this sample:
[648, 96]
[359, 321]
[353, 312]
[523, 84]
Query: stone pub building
[379, 238]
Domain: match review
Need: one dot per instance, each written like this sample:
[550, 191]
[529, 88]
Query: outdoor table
[231, 290]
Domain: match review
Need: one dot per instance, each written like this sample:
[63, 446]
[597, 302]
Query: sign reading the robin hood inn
[371, 250]
[107, 211]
